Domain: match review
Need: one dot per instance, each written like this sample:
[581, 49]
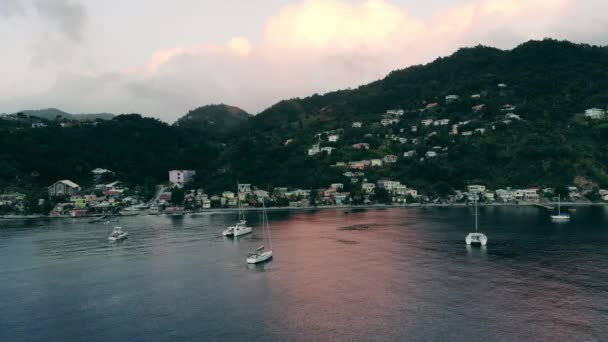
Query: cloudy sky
[162, 58]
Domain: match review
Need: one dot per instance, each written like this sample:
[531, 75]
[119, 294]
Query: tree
[382, 196]
[177, 196]
[313, 197]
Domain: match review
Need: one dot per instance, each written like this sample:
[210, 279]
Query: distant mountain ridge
[53, 113]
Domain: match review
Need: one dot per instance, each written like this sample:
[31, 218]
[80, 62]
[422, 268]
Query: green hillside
[519, 117]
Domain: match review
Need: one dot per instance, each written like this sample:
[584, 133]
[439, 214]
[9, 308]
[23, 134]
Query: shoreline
[540, 205]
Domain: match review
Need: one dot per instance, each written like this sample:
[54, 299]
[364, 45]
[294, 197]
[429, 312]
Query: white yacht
[560, 216]
[118, 234]
[239, 228]
[476, 237]
[261, 254]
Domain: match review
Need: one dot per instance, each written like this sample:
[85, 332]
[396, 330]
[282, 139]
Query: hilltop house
[594, 113]
[512, 116]
[181, 176]
[63, 188]
[99, 172]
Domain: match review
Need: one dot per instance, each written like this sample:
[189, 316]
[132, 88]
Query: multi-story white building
[389, 185]
[368, 187]
[476, 188]
[181, 176]
[595, 113]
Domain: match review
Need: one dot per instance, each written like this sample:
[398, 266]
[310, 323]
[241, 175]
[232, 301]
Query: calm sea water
[375, 275]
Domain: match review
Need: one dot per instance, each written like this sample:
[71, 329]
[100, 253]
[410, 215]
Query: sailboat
[476, 237]
[261, 254]
[239, 228]
[560, 216]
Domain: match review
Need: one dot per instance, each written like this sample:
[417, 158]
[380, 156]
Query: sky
[163, 58]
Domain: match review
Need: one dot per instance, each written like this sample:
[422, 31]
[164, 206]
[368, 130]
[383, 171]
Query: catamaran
[239, 228]
[476, 237]
[560, 216]
[118, 234]
[261, 254]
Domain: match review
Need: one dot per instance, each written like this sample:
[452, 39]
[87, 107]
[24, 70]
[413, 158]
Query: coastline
[540, 205]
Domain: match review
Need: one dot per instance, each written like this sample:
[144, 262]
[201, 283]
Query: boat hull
[259, 258]
[560, 217]
[118, 238]
[476, 238]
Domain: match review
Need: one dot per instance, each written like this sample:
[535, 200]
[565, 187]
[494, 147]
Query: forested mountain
[54, 114]
[214, 119]
[518, 117]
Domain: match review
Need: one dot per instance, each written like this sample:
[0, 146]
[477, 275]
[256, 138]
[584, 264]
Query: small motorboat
[118, 234]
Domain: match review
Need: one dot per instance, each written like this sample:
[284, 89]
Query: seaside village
[422, 134]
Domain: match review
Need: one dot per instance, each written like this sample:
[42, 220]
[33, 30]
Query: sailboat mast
[476, 216]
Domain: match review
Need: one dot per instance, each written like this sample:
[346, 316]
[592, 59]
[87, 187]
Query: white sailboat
[118, 234]
[560, 216]
[261, 254]
[239, 228]
[476, 237]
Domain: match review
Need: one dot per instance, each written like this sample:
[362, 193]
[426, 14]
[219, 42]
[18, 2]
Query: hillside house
[409, 154]
[502, 85]
[454, 130]
[480, 130]
[452, 98]
[512, 116]
[315, 149]
[430, 154]
[476, 96]
[337, 186]
[244, 188]
[388, 121]
[467, 133]
[376, 162]
[426, 122]
[396, 112]
[357, 165]
[390, 158]
[327, 149]
[357, 124]
[414, 129]
[594, 113]
[228, 194]
[38, 125]
[98, 172]
[478, 108]
[361, 146]
[402, 140]
[476, 188]
[333, 137]
[368, 188]
[508, 108]
[63, 188]
[181, 176]
[387, 184]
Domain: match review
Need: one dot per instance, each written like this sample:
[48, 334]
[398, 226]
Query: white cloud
[314, 46]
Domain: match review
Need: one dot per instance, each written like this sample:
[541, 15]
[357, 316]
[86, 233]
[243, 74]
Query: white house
[409, 154]
[454, 130]
[502, 85]
[376, 162]
[337, 186]
[38, 125]
[430, 154]
[426, 122]
[368, 187]
[480, 130]
[333, 137]
[315, 149]
[357, 124]
[505, 195]
[388, 121]
[99, 171]
[508, 108]
[181, 176]
[476, 188]
[414, 129]
[390, 158]
[398, 112]
[451, 98]
[327, 149]
[441, 122]
[361, 146]
[476, 96]
[594, 113]
[228, 194]
[389, 185]
[402, 140]
[512, 116]
[467, 133]
[246, 188]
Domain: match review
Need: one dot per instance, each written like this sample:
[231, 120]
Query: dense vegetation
[549, 82]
